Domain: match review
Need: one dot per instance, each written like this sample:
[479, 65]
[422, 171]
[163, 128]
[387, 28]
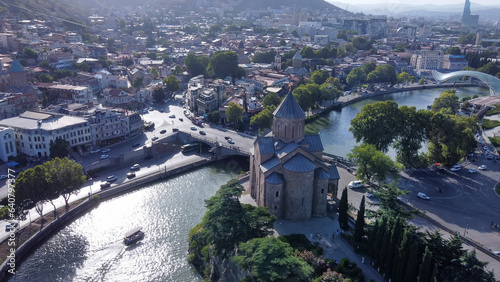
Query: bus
[190, 147]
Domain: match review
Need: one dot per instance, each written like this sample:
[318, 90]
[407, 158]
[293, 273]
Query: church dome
[289, 108]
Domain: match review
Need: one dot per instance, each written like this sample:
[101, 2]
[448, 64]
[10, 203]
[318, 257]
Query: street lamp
[465, 230]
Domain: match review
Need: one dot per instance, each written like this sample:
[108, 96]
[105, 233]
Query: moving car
[230, 141]
[131, 175]
[163, 131]
[181, 119]
[227, 137]
[423, 196]
[171, 116]
[105, 185]
[472, 170]
[203, 132]
[135, 167]
[356, 184]
[106, 150]
[103, 157]
[95, 151]
[111, 178]
[193, 128]
[482, 167]
[456, 168]
[154, 138]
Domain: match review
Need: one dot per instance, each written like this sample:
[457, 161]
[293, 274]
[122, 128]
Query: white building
[34, 132]
[7, 144]
[428, 60]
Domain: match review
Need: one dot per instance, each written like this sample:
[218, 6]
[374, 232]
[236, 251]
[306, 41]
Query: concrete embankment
[50, 229]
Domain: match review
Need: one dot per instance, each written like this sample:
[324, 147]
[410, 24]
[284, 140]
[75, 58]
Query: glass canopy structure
[492, 82]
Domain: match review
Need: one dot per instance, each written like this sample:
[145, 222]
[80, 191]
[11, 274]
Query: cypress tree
[385, 245]
[400, 261]
[412, 264]
[379, 238]
[360, 222]
[343, 208]
[393, 246]
[425, 271]
[373, 237]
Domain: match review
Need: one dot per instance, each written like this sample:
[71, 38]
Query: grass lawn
[316, 125]
[494, 111]
[495, 141]
[489, 124]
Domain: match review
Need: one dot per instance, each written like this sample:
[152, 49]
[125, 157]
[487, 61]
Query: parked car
[3, 176]
[423, 196]
[95, 151]
[106, 150]
[181, 119]
[356, 184]
[154, 138]
[203, 132]
[131, 175]
[489, 157]
[175, 129]
[482, 167]
[193, 128]
[103, 157]
[163, 131]
[111, 178]
[135, 167]
[171, 116]
[227, 137]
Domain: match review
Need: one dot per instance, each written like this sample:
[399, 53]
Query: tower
[289, 121]
[466, 13]
[297, 61]
[277, 61]
[17, 75]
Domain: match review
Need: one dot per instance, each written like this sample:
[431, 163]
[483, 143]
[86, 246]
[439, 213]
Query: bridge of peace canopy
[492, 82]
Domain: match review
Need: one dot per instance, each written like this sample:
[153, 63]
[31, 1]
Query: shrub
[488, 124]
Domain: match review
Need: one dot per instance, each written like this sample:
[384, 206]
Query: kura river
[90, 248]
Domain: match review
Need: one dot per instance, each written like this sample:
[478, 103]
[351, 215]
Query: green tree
[454, 51]
[65, 177]
[355, 77]
[137, 83]
[401, 257]
[360, 222]
[271, 99]
[319, 76]
[159, 94]
[264, 57]
[304, 97]
[264, 119]
[234, 112]
[396, 233]
[307, 52]
[447, 100]
[45, 78]
[154, 72]
[343, 209]
[282, 42]
[269, 259]
[30, 53]
[412, 265]
[413, 128]
[377, 124]
[214, 116]
[361, 43]
[421, 81]
[172, 83]
[223, 64]
[32, 187]
[424, 273]
[389, 203]
[373, 165]
[59, 149]
[195, 65]
[467, 38]
[403, 77]
[368, 68]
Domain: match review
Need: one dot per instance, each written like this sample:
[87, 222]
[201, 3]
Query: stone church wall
[298, 195]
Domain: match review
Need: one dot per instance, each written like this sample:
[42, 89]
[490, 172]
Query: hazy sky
[420, 2]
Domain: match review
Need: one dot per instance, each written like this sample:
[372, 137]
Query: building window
[6, 148]
[21, 137]
[322, 190]
[29, 138]
[275, 207]
[277, 194]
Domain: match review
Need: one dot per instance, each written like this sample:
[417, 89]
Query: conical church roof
[16, 66]
[289, 108]
[297, 56]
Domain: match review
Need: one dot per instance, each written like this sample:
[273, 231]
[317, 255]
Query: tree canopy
[234, 112]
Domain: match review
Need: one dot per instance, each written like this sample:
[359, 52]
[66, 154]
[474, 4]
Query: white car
[106, 150]
[472, 170]
[423, 196]
[456, 168]
[103, 157]
[356, 184]
[111, 178]
[95, 151]
[135, 167]
[482, 167]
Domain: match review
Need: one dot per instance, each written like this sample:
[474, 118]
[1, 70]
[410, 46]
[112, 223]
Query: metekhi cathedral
[287, 173]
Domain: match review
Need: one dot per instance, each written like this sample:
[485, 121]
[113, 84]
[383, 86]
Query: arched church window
[275, 207]
[322, 190]
[277, 194]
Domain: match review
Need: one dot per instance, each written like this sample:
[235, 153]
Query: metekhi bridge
[492, 82]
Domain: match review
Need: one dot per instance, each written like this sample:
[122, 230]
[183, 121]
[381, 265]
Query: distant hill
[63, 9]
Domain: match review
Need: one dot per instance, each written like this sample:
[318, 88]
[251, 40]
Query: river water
[90, 248]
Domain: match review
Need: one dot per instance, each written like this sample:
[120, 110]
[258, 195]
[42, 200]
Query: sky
[420, 2]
